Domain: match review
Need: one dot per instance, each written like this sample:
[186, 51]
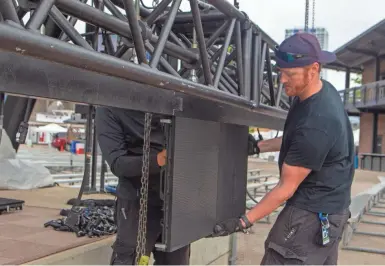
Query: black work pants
[127, 218]
[296, 238]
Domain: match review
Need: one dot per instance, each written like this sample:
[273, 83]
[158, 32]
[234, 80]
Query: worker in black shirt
[316, 164]
[120, 135]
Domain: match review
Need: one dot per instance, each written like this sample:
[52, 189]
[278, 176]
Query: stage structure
[208, 71]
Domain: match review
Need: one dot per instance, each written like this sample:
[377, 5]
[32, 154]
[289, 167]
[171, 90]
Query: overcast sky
[343, 19]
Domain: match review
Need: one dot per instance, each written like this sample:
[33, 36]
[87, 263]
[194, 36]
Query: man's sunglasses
[287, 57]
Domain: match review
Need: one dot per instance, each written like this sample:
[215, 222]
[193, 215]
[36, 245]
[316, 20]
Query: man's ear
[316, 67]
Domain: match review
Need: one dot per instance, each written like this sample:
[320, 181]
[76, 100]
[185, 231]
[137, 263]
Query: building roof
[365, 47]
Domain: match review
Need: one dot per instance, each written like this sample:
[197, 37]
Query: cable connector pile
[94, 221]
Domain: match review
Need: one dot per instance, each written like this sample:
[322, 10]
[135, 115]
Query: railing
[368, 95]
[372, 162]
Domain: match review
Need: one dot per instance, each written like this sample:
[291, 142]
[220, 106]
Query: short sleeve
[309, 147]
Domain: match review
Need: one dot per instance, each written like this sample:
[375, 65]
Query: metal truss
[209, 63]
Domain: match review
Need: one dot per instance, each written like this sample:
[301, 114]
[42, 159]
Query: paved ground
[251, 247]
[23, 237]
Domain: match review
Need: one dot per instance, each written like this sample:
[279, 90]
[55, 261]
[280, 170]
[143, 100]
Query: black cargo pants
[127, 218]
[296, 239]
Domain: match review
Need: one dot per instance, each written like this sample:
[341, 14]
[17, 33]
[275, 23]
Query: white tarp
[20, 174]
[23, 174]
[51, 128]
[6, 149]
[356, 135]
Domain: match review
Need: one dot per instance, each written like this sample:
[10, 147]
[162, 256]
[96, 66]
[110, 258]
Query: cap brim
[297, 63]
[327, 57]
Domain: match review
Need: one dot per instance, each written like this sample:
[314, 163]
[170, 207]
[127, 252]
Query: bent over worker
[121, 136]
[316, 164]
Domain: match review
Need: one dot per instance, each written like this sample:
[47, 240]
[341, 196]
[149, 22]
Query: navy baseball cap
[301, 49]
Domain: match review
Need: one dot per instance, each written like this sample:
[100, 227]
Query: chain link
[142, 228]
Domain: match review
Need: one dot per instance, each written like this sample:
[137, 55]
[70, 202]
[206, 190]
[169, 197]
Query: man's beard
[300, 88]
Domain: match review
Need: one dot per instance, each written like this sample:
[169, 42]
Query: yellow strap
[144, 260]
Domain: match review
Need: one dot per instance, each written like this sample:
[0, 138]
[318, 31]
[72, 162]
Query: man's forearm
[131, 166]
[270, 145]
[268, 204]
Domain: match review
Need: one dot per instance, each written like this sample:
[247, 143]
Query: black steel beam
[201, 42]
[25, 75]
[270, 78]
[158, 10]
[68, 29]
[221, 62]
[118, 26]
[114, 10]
[163, 61]
[8, 11]
[166, 29]
[137, 36]
[30, 44]
[2, 98]
[238, 44]
[246, 49]
[40, 14]
[256, 63]
[186, 17]
[228, 9]
[16, 109]
[72, 21]
[217, 33]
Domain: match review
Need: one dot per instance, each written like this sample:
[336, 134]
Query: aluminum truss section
[210, 63]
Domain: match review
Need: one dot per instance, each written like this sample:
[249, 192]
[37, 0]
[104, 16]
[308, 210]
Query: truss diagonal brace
[113, 24]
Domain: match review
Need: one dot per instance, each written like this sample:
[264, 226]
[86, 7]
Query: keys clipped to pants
[324, 228]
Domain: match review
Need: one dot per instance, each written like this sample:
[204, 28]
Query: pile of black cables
[95, 219]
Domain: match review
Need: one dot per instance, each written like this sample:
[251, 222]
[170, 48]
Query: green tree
[357, 80]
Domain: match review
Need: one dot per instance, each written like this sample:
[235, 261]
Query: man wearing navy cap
[315, 162]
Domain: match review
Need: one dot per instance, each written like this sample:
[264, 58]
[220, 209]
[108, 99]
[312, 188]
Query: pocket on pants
[289, 256]
[288, 241]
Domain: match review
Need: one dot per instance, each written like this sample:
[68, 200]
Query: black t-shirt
[318, 136]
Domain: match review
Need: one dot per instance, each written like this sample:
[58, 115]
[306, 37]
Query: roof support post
[347, 84]
[374, 136]
[347, 78]
[378, 69]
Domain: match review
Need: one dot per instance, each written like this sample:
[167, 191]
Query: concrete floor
[250, 247]
[23, 237]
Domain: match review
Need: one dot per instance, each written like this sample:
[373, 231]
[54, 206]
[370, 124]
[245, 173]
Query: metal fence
[372, 162]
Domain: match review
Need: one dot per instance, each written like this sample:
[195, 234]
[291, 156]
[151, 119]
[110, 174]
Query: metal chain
[142, 228]
[313, 14]
[306, 15]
